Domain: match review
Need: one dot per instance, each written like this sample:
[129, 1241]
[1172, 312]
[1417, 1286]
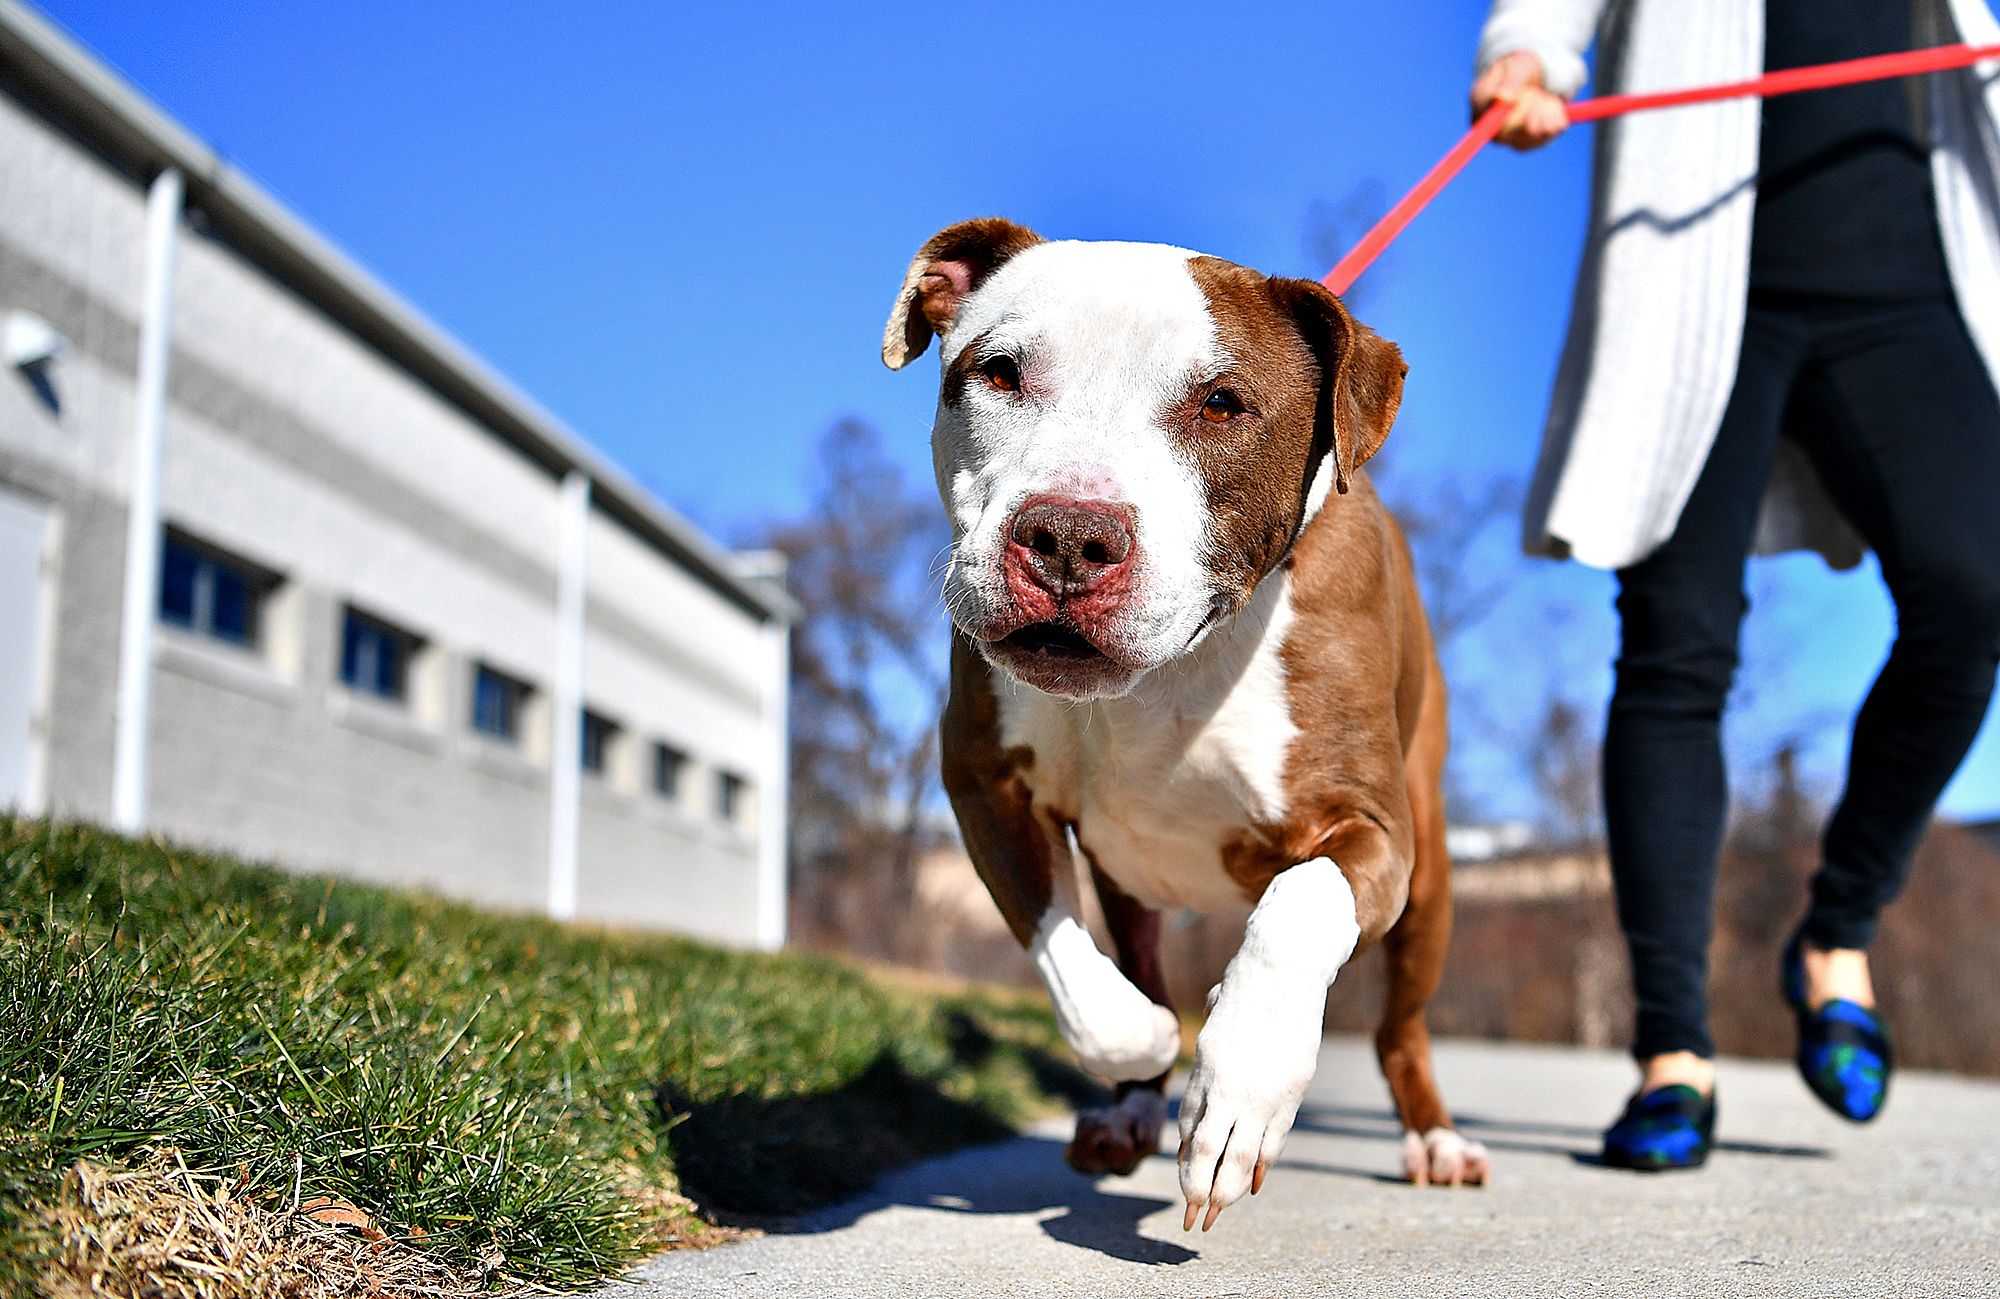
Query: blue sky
[679, 227]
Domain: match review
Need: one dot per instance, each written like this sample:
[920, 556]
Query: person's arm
[1531, 54]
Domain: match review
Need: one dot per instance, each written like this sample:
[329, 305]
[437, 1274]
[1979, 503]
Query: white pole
[773, 796]
[134, 703]
[566, 753]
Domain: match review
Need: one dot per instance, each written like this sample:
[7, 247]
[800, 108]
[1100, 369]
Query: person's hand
[1539, 115]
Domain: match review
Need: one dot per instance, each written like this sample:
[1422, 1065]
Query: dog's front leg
[1022, 853]
[1117, 1031]
[1260, 1045]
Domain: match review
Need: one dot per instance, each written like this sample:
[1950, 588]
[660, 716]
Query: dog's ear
[1361, 372]
[954, 262]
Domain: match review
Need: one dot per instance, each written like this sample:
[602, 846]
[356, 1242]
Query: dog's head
[1129, 438]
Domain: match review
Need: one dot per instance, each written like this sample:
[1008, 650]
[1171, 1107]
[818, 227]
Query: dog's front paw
[1119, 1137]
[1441, 1157]
[1116, 1030]
[1251, 1066]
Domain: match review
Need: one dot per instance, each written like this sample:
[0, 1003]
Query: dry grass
[158, 1229]
[673, 1220]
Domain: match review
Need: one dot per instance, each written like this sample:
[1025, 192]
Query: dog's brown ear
[1362, 372]
[954, 262]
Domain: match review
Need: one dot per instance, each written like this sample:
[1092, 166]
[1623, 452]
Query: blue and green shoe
[1844, 1051]
[1673, 1127]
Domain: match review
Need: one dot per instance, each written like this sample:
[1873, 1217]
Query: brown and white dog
[1188, 644]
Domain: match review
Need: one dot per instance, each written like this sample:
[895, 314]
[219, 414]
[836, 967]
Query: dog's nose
[1068, 546]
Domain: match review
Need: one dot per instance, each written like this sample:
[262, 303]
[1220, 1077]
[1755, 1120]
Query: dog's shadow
[818, 1162]
[1025, 1176]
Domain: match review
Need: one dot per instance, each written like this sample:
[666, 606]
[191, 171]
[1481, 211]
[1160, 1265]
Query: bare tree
[1564, 758]
[868, 681]
[1333, 227]
[1465, 567]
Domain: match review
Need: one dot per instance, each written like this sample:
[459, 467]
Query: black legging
[1895, 409]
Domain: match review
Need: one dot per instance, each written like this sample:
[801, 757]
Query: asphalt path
[1794, 1202]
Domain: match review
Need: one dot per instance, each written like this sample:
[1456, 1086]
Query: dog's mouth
[1054, 657]
[1051, 642]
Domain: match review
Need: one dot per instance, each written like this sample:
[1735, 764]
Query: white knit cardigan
[1657, 321]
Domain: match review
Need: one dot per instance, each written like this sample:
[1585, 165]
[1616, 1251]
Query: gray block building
[284, 570]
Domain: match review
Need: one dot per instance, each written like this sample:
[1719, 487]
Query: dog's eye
[1002, 373]
[1220, 406]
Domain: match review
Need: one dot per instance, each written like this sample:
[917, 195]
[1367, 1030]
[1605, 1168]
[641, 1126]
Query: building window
[668, 765]
[730, 792]
[497, 702]
[375, 656]
[211, 593]
[598, 732]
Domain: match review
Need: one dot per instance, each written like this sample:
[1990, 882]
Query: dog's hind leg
[1120, 1136]
[1414, 950]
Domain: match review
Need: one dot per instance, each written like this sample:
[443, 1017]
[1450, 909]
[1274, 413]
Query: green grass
[485, 1086]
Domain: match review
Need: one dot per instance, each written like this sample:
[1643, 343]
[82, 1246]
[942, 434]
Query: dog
[1188, 646]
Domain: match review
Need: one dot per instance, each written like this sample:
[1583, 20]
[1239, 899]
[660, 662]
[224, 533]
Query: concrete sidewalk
[1795, 1202]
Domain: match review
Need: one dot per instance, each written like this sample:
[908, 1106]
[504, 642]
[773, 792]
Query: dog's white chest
[1159, 781]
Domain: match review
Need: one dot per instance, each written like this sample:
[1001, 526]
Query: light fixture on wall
[28, 341]
[31, 345]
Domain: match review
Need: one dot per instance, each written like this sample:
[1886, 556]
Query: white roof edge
[124, 121]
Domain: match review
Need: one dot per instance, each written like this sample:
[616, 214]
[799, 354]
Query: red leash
[1788, 82]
